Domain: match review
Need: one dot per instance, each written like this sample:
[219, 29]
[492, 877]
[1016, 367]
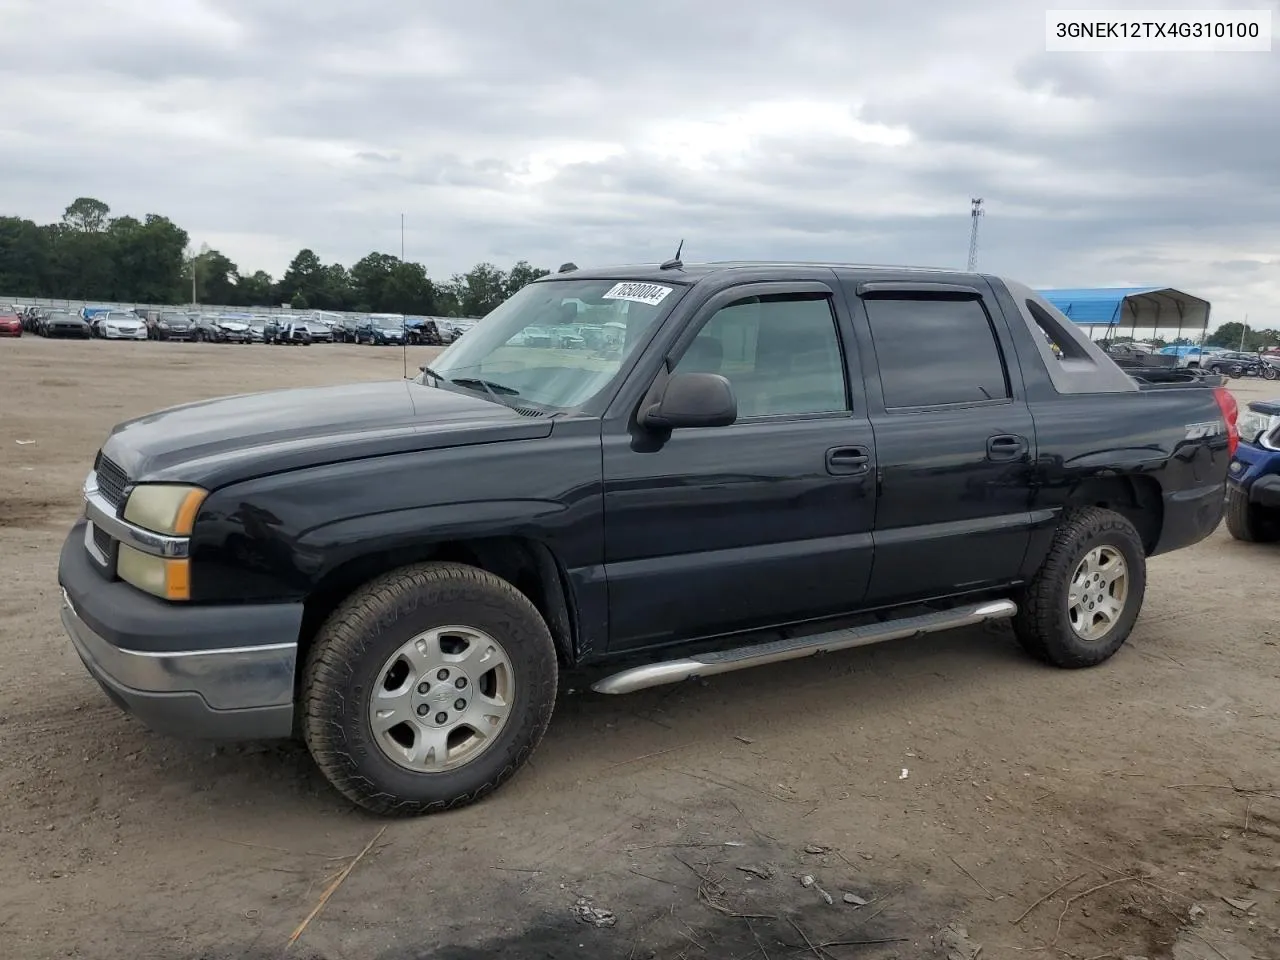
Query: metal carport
[1154, 308]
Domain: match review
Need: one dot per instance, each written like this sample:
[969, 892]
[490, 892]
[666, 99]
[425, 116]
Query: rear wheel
[1081, 605]
[1269, 372]
[427, 689]
[1248, 521]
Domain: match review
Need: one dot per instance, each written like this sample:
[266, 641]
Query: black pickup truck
[770, 460]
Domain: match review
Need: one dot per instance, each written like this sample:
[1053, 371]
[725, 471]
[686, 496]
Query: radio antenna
[675, 263]
[404, 321]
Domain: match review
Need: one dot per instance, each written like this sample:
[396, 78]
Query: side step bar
[793, 648]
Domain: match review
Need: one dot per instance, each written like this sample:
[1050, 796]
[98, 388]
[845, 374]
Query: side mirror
[693, 400]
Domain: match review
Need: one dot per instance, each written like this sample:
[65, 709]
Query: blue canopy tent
[1156, 308]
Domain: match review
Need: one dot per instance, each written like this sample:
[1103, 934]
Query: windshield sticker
[650, 293]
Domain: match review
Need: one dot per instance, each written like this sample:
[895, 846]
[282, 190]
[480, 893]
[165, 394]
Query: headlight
[166, 508]
[167, 579]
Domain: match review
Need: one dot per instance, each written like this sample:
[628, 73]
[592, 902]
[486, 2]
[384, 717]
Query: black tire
[345, 663]
[1043, 624]
[1249, 522]
[1269, 372]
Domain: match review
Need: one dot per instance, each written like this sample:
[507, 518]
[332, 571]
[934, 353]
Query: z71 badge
[1210, 428]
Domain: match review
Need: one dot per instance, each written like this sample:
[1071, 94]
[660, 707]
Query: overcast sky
[605, 131]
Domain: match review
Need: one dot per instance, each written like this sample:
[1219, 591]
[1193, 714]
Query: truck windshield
[525, 349]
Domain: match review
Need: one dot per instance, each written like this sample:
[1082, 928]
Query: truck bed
[1156, 378]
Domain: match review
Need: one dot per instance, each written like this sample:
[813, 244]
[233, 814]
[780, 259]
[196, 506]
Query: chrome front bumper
[233, 693]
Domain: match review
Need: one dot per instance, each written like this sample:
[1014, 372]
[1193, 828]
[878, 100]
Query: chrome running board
[793, 648]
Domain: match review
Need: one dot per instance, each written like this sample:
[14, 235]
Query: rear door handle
[1006, 446]
[848, 460]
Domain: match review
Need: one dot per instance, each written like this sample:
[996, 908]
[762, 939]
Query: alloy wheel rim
[441, 699]
[1098, 593]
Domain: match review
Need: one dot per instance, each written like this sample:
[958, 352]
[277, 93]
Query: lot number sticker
[650, 293]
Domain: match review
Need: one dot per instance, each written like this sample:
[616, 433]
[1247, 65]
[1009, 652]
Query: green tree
[158, 246]
[334, 292]
[304, 277]
[90, 255]
[1229, 335]
[410, 290]
[24, 257]
[257, 289]
[120, 245]
[478, 291]
[82, 263]
[86, 215]
[521, 274]
[371, 279]
[217, 279]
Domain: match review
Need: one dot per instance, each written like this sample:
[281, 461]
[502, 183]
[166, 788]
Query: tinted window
[934, 350]
[781, 354]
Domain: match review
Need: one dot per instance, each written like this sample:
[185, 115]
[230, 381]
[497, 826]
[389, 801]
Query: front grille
[112, 481]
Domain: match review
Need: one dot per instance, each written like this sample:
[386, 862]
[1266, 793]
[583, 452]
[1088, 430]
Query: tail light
[1230, 413]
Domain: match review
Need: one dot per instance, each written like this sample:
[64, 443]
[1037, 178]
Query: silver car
[120, 325]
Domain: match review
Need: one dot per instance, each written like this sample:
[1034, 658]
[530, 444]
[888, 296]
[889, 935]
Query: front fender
[324, 549]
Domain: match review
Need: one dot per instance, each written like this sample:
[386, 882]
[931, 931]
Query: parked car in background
[298, 333]
[63, 323]
[320, 332]
[258, 330]
[305, 332]
[10, 321]
[382, 331]
[456, 328]
[533, 337]
[344, 329]
[423, 331]
[1233, 363]
[119, 325]
[221, 329]
[567, 337]
[1253, 483]
[92, 315]
[172, 325]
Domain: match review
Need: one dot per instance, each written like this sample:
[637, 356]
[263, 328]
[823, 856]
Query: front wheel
[1269, 372]
[427, 689]
[1081, 605]
[1248, 521]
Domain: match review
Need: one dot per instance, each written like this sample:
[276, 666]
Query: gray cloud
[607, 132]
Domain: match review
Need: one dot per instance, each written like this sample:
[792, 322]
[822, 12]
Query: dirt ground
[970, 796]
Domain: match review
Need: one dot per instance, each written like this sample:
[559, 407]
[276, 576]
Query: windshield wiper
[494, 388]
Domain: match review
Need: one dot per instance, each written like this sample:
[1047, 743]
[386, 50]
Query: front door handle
[848, 460]
[1006, 446]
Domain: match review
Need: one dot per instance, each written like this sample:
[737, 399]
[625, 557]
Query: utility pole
[193, 281]
[975, 212]
[402, 238]
[1244, 327]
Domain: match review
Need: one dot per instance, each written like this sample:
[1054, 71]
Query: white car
[120, 325]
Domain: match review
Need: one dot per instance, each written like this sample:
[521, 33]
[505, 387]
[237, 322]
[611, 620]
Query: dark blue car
[1253, 483]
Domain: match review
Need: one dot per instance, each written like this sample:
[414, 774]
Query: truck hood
[221, 441]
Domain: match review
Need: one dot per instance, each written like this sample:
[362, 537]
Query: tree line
[91, 255]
